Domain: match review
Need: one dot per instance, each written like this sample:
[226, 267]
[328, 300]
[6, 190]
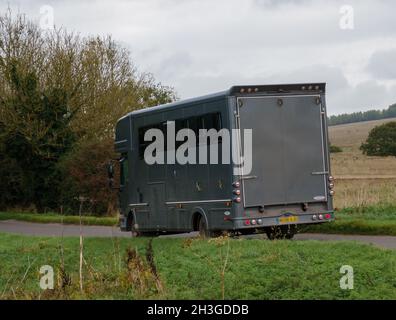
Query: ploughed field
[142, 268]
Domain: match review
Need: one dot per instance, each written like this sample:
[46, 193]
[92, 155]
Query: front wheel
[134, 232]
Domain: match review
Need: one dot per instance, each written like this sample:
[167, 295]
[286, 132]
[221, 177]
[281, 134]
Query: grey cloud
[276, 3]
[365, 96]
[341, 95]
[201, 46]
[177, 62]
[382, 64]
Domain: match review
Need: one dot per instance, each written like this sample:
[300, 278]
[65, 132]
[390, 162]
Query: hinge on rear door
[320, 173]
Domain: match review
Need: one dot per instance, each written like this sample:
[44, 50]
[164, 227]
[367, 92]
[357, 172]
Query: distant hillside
[363, 116]
[350, 136]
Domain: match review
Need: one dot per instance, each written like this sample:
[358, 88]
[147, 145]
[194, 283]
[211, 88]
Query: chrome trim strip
[197, 201]
[138, 204]
[319, 173]
[248, 177]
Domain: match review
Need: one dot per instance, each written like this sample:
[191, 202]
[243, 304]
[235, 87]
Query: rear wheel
[203, 228]
[281, 232]
[204, 231]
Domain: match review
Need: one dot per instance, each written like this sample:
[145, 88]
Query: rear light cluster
[331, 185]
[321, 217]
[237, 191]
[253, 222]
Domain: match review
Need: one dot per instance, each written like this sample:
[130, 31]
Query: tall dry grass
[360, 180]
[357, 193]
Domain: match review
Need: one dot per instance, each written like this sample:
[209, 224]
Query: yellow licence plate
[288, 219]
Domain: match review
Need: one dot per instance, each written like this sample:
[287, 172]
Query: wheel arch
[198, 212]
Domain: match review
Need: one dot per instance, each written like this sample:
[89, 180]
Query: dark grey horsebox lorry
[289, 182]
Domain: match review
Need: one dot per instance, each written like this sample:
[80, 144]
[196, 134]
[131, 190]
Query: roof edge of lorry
[239, 90]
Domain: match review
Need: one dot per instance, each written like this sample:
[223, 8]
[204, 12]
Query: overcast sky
[204, 46]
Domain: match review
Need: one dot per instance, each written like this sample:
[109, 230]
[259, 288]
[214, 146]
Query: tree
[60, 92]
[381, 141]
[86, 177]
[37, 134]
[363, 116]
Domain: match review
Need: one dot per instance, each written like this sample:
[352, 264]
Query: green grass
[368, 220]
[191, 269]
[56, 218]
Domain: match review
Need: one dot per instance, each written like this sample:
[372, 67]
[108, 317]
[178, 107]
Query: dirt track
[55, 229]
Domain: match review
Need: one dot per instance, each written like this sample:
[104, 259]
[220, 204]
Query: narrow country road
[55, 229]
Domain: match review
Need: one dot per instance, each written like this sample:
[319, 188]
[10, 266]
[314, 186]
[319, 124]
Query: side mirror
[110, 173]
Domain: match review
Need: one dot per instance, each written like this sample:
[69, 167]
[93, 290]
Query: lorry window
[142, 131]
[212, 121]
[142, 143]
[179, 125]
[193, 124]
[124, 170]
[207, 121]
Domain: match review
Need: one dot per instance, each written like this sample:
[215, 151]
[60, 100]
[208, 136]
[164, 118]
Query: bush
[335, 149]
[86, 177]
[381, 141]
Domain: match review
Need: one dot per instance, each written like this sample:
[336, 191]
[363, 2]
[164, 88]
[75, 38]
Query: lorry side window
[124, 170]
[207, 121]
[179, 125]
[212, 121]
[142, 143]
[142, 131]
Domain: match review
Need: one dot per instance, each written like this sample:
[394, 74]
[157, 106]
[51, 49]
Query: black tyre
[204, 231]
[203, 228]
[281, 232]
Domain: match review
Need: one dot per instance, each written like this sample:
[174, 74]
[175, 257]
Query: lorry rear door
[288, 160]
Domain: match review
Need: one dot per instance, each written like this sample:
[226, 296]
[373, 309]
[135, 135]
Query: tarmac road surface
[55, 229]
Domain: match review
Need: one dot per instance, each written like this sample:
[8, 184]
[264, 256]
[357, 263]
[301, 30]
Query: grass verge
[366, 220]
[194, 269]
[56, 218]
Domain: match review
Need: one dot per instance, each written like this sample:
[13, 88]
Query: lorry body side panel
[173, 190]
